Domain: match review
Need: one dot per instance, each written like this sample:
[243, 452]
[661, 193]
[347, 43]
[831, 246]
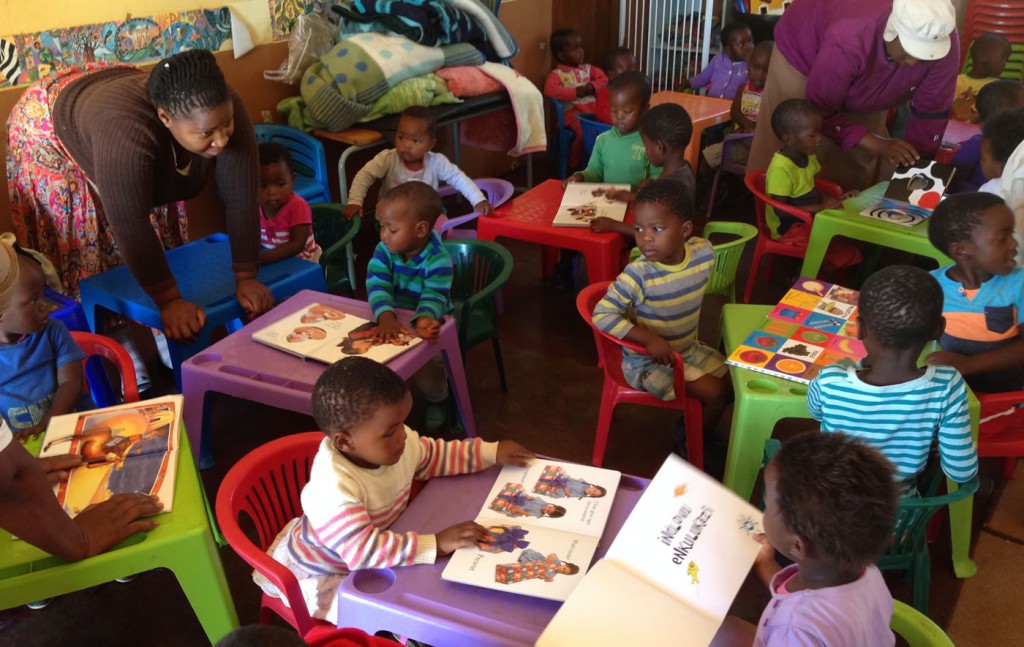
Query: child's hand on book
[512, 453]
[428, 328]
[602, 225]
[388, 329]
[575, 177]
[467, 533]
[352, 210]
[57, 468]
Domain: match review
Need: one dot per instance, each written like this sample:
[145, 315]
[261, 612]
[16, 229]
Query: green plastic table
[762, 401]
[847, 222]
[182, 543]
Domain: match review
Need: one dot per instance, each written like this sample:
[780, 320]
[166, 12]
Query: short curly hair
[838, 494]
[1004, 132]
[674, 196]
[956, 218]
[635, 82]
[421, 196]
[901, 306]
[999, 95]
[351, 390]
[188, 81]
[791, 115]
[559, 38]
[669, 123]
[274, 153]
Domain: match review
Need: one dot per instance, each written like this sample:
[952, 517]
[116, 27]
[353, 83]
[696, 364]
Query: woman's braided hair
[187, 81]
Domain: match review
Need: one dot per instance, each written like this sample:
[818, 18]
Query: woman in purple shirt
[855, 61]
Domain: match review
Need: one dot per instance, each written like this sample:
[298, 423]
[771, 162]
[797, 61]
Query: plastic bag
[312, 35]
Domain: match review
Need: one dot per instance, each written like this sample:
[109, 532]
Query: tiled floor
[551, 407]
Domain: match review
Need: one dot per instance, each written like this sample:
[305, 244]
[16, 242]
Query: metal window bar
[671, 39]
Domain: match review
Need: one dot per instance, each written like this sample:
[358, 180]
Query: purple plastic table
[238, 366]
[414, 601]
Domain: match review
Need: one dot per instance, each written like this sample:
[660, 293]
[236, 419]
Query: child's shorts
[699, 360]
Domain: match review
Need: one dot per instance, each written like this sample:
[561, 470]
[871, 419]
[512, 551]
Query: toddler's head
[415, 136]
[989, 53]
[663, 221]
[277, 180]
[629, 96]
[976, 231]
[567, 47]
[362, 405]
[999, 95]
[1000, 136]
[407, 214]
[666, 130]
[757, 66]
[829, 498]
[618, 60]
[23, 309]
[900, 308]
[738, 41]
[797, 124]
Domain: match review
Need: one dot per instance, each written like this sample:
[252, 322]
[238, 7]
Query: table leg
[603, 265]
[961, 512]
[817, 246]
[746, 448]
[457, 377]
[201, 576]
[548, 261]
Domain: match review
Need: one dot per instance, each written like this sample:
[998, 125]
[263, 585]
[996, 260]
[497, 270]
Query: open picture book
[544, 523]
[672, 572]
[912, 193]
[584, 201]
[126, 448]
[327, 334]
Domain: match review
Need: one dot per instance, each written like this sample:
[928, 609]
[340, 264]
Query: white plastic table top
[239, 366]
[414, 601]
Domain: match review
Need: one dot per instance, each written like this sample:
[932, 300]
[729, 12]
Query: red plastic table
[528, 218]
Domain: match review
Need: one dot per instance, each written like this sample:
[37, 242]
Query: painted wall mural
[284, 12]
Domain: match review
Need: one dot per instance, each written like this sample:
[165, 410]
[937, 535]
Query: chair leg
[604, 423]
[755, 265]
[922, 575]
[500, 362]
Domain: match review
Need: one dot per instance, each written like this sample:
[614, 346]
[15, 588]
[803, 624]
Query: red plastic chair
[765, 243]
[96, 346]
[265, 485]
[1002, 435]
[617, 390]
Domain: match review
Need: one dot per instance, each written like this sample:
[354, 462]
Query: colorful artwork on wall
[284, 12]
[35, 55]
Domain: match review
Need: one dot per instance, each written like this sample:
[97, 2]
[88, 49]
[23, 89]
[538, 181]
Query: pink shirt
[277, 230]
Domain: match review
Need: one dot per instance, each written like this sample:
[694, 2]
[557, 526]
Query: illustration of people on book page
[556, 482]
[502, 538]
[362, 338]
[515, 502]
[532, 565]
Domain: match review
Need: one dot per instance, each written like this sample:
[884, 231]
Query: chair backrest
[330, 228]
[916, 628]
[727, 254]
[308, 157]
[729, 164]
[96, 347]
[562, 139]
[911, 530]
[480, 266]
[590, 129]
[755, 183]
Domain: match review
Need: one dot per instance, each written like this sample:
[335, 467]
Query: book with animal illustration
[672, 571]
[813, 326]
[544, 523]
[326, 334]
[126, 448]
[584, 201]
[912, 193]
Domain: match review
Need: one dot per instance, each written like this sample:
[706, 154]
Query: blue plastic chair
[591, 129]
[308, 159]
[563, 139]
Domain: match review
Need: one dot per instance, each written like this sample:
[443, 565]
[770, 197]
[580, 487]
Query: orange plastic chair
[617, 390]
[765, 243]
[265, 485]
[97, 346]
[1002, 435]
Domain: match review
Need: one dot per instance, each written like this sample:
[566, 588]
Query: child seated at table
[1000, 137]
[995, 97]
[727, 71]
[412, 158]
[616, 61]
[656, 301]
[360, 480]
[989, 53]
[790, 179]
[832, 530]
[573, 84]
[983, 290]
[286, 221]
[889, 402]
[40, 364]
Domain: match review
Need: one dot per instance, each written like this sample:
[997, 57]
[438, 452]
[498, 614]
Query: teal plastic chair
[481, 267]
[334, 234]
[916, 628]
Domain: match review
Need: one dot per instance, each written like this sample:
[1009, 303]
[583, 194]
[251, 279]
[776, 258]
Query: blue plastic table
[203, 271]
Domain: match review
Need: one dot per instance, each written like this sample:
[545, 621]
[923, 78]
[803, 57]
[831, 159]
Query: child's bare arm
[1009, 355]
[388, 328]
[765, 565]
[512, 453]
[603, 225]
[297, 237]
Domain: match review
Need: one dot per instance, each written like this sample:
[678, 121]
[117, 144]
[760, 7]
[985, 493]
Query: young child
[995, 97]
[573, 84]
[747, 104]
[412, 158]
[656, 301]
[286, 221]
[1000, 137]
[889, 402]
[616, 61]
[790, 179]
[989, 53]
[727, 71]
[359, 484]
[40, 364]
[833, 529]
[983, 290]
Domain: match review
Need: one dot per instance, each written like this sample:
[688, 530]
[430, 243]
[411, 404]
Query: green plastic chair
[334, 234]
[481, 267]
[916, 628]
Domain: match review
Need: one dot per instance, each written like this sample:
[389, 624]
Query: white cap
[923, 27]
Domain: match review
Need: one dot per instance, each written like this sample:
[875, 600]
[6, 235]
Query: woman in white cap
[855, 61]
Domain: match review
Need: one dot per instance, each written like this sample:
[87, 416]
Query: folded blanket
[528, 104]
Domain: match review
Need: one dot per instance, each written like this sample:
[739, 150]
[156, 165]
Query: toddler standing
[727, 71]
[286, 221]
[573, 84]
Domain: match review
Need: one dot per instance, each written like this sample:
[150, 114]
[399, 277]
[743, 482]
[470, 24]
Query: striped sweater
[422, 284]
[901, 420]
[347, 509]
[664, 298]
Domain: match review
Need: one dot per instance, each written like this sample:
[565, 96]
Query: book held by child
[584, 201]
[544, 524]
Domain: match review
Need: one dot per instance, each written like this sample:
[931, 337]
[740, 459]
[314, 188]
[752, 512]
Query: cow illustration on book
[555, 481]
[515, 502]
[533, 565]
